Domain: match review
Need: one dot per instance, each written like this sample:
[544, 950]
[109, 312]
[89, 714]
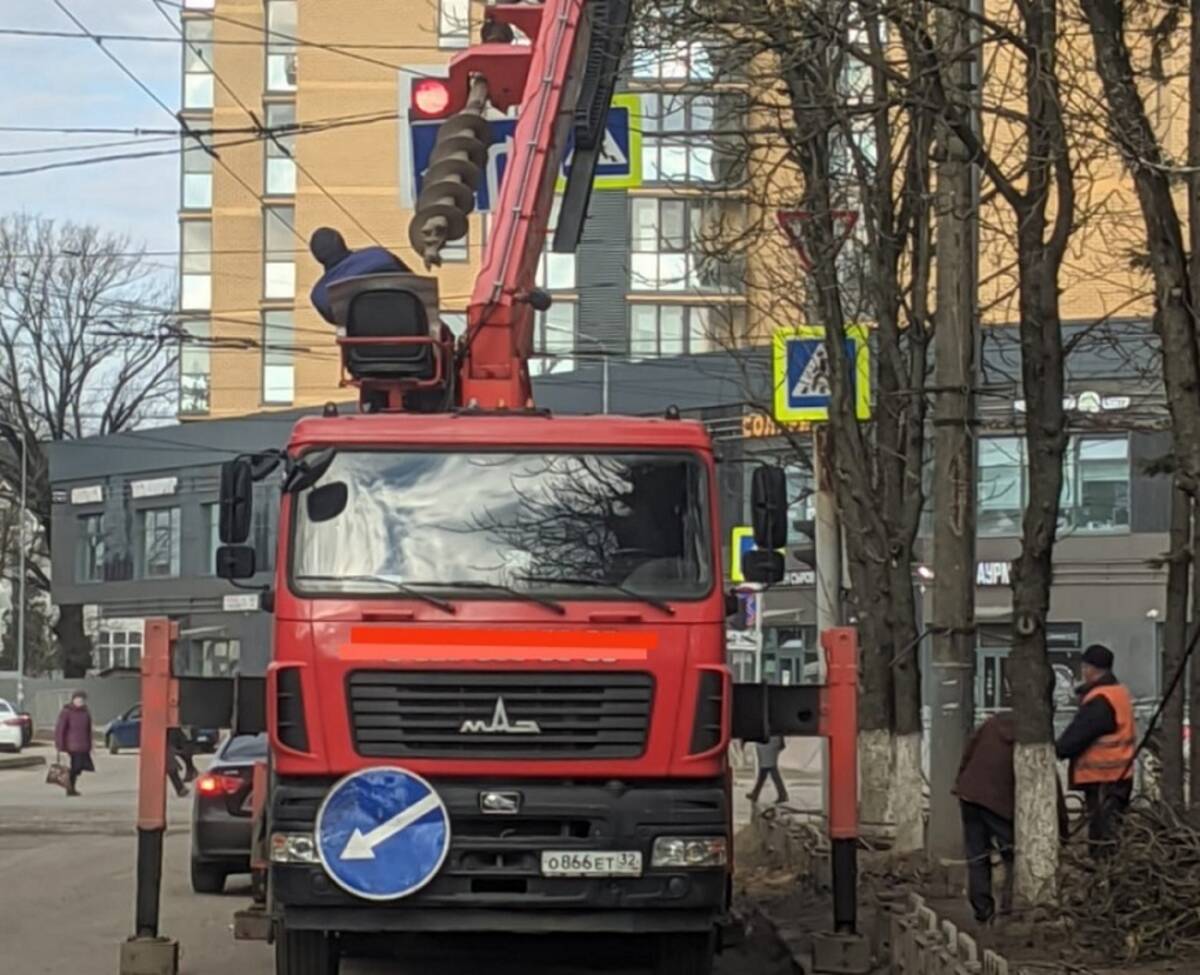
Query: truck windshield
[565, 525]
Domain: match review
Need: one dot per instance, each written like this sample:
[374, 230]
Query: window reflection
[534, 522]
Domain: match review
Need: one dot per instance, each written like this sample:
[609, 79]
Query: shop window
[160, 543]
[90, 565]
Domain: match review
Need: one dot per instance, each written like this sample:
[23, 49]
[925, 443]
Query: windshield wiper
[497, 587]
[615, 586]
[385, 581]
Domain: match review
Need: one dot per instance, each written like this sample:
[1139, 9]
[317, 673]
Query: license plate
[589, 863]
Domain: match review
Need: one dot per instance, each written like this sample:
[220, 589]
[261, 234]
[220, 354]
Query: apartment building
[324, 78]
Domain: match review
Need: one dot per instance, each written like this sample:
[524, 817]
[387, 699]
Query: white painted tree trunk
[908, 794]
[1036, 824]
[875, 757]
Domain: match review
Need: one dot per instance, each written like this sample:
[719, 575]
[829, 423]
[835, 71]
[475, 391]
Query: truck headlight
[689, 852]
[293, 848]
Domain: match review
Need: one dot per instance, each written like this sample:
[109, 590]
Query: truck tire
[687, 953]
[206, 878]
[305, 953]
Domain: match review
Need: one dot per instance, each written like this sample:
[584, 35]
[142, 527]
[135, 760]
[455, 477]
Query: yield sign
[791, 222]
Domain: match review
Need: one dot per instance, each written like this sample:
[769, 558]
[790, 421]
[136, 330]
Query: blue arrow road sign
[382, 833]
[619, 166]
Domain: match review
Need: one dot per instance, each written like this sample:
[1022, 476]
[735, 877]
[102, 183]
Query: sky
[70, 83]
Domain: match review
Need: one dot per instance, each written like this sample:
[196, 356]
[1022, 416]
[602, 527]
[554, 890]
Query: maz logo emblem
[499, 724]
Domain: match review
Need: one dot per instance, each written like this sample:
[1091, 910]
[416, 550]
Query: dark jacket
[1093, 720]
[369, 260]
[73, 732]
[985, 774]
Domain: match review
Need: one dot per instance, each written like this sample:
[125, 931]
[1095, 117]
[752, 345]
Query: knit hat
[1098, 655]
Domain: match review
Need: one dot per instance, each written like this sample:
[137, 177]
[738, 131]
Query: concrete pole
[21, 580]
[955, 352]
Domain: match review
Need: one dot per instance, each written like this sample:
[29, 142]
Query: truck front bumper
[492, 879]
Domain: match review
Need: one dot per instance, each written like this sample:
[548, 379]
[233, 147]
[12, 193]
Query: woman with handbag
[73, 735]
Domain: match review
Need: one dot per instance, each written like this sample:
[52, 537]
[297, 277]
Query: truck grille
[515, 715]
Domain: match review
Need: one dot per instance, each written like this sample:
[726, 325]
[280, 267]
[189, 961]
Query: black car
[221, 813]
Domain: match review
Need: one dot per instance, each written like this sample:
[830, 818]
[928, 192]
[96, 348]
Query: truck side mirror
[765, 567]
[768, 508]
[236, 501]
[235, 562]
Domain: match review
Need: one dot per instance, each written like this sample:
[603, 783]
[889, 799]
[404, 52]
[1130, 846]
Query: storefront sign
[756, 426]
[155, 488]
[87, 495]
[993, 574]
[804, 577]
[1087, 402]
[241, 602]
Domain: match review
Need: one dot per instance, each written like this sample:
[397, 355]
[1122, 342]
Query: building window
[454, 23]
[90, 566]
[278, 370]
[1096, 488]
[160, 543]
[667, 330]
[1095, 491]
[675, 246]
[197, 177]
[680, 61]
[555, 272]
[263, 529]
[554, 340]
[219, 658]
[282, 26]
[212, 537]
[682, 141]
[118, 649]
[280, 176]
[195, 287]
[279, 256]
[195, 367]
[197, 64]
[1001, 485]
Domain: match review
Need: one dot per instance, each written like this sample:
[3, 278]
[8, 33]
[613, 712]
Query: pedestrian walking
[768, 765]
[179, 761]
[1100, 743]
[73, 735]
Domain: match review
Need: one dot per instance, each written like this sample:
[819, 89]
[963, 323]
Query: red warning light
[431, 97]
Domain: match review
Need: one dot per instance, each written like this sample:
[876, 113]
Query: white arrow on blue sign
[382, 833]
[616, 161]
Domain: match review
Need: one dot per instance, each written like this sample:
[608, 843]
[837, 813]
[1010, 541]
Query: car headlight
[293, 848]
[689, 852]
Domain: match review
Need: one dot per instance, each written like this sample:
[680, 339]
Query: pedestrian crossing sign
[802, 373]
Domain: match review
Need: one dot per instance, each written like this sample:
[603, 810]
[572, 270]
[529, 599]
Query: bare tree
[1133, 43]
[827, 130]
[87, 347]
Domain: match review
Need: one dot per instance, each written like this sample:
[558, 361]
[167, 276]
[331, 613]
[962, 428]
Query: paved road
[66, 895]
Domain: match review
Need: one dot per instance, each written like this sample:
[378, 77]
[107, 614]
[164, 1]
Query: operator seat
[378, 306]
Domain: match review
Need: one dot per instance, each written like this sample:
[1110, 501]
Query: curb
[21, 761]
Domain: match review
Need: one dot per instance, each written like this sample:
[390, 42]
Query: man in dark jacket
[329, 248]
[73, 735]
[1100, 742]
[986, 788]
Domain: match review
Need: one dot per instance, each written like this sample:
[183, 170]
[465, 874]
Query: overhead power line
[164, 39]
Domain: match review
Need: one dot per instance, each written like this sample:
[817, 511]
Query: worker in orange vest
[1100, 743]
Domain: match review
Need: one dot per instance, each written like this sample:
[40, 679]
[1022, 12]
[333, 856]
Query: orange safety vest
[1110, 757]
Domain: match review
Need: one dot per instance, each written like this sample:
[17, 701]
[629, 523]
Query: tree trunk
[1174, 636]
[74, 644]
[1193, 676]
[908, 780]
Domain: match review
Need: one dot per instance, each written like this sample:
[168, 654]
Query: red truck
[498, 697]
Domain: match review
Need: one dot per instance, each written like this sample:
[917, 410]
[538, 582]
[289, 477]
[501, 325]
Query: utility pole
[955, 381]
[21, 577]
